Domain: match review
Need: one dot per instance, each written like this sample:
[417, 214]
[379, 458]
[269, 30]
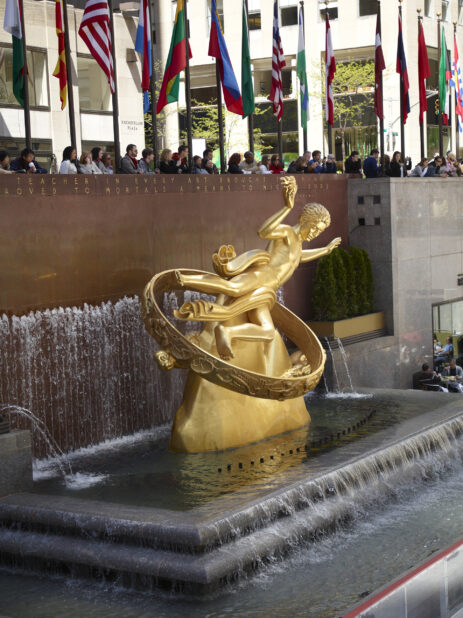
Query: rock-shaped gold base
[213, 418]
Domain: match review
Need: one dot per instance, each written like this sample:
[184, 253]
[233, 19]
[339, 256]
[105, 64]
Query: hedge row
[343, 286]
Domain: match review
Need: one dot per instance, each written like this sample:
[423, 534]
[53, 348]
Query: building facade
[353, 24]
[92, 97]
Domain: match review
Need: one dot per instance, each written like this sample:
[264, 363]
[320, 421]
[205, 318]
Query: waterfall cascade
[88, 374]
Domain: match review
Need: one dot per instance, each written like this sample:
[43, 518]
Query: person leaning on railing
[5, 162]
[69, 162]
[145, 162]
[26, 163]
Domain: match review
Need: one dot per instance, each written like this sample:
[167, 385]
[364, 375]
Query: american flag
[96, 33]
[278, 62]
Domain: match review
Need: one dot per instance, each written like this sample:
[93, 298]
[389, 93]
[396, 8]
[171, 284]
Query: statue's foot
[223, 343]
[179, 278]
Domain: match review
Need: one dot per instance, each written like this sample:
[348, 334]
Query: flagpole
[279, 121]
[402, 125]
[117, 144]
[70, 92]
[381, 120]
[420, 19]
[304, 129]
[27, 109]
[330, 128]
[153, 89]
[220, 118]
[188, 86]
[439, 52]
[457, 124]
[251, 116]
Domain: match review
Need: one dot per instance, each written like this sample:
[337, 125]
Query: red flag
[401, 68]
[380, 65]
[330, 70]
[423, 72]
[95, 31]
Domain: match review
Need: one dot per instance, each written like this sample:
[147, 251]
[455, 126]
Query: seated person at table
[423, 377]
[437, 346]
[446, 353]
[453, 370]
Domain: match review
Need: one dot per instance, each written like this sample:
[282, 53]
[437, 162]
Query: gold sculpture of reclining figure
[248, 283]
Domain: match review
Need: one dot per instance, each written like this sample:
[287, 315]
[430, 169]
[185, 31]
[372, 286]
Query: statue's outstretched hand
[289, 186]
[333, 244]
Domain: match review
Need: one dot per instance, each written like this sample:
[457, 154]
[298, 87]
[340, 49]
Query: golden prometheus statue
[242, 386]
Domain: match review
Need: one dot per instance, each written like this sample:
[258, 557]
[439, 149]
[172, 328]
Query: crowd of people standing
[97, 161]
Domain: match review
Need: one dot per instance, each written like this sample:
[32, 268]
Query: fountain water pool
[409, 522]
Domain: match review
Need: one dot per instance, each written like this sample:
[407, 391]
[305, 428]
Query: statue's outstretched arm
[314, 254]
[269, 229]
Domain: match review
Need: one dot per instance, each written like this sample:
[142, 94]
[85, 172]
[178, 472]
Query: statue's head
[313, 220]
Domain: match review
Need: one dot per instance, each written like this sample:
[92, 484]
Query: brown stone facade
[66, 240]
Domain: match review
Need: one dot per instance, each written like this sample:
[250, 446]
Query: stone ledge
[16, 462]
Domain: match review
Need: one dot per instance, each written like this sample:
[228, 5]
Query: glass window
[94, 92]
[368, 7]
[255, 20]
[219, 5]
[288, 16]
[460, 11]
[428, 8]
[445, 10]
[331, 10]
[38, 80]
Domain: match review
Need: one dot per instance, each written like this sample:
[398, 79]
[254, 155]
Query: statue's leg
[260, 328]
[213, 284]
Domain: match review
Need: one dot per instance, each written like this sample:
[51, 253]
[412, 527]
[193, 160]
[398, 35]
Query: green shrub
[340, 276]
[351, 288]
[343, 285]
[325, 293]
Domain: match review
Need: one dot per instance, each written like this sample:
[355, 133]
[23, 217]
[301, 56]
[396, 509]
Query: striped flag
[60, 70]
[302, 73]
[380, 65]
[176, 61]
[457, 84]
[401, 68]
[143, 47]
[278, 62]
[218, 50]
[96, 34]
[12, 24]
[330, 70]
[445, 75]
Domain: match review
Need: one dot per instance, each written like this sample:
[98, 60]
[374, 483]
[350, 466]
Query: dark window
[376, 199]
[362, 221]
[360, 199]
[377, 220]
[255, 21]
[332, 12]
[289, 16]
[267, 123]
[367, 7]
[286, 82]
[204, 95]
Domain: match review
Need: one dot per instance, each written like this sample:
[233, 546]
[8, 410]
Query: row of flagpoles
[97, 31]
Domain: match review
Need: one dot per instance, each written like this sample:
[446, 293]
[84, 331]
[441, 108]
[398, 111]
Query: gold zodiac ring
[180, 352]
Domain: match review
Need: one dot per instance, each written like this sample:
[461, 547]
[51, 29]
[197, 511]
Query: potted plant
[342, 303]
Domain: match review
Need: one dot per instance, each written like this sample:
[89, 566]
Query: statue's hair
[314, 213]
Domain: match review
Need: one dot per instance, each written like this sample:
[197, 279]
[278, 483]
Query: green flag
[444, 77]
[12, 24]
[247, 87]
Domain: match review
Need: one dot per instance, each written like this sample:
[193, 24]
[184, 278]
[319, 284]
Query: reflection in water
[146, 473]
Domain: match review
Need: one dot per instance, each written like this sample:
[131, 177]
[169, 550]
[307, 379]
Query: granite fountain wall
[413, 232]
